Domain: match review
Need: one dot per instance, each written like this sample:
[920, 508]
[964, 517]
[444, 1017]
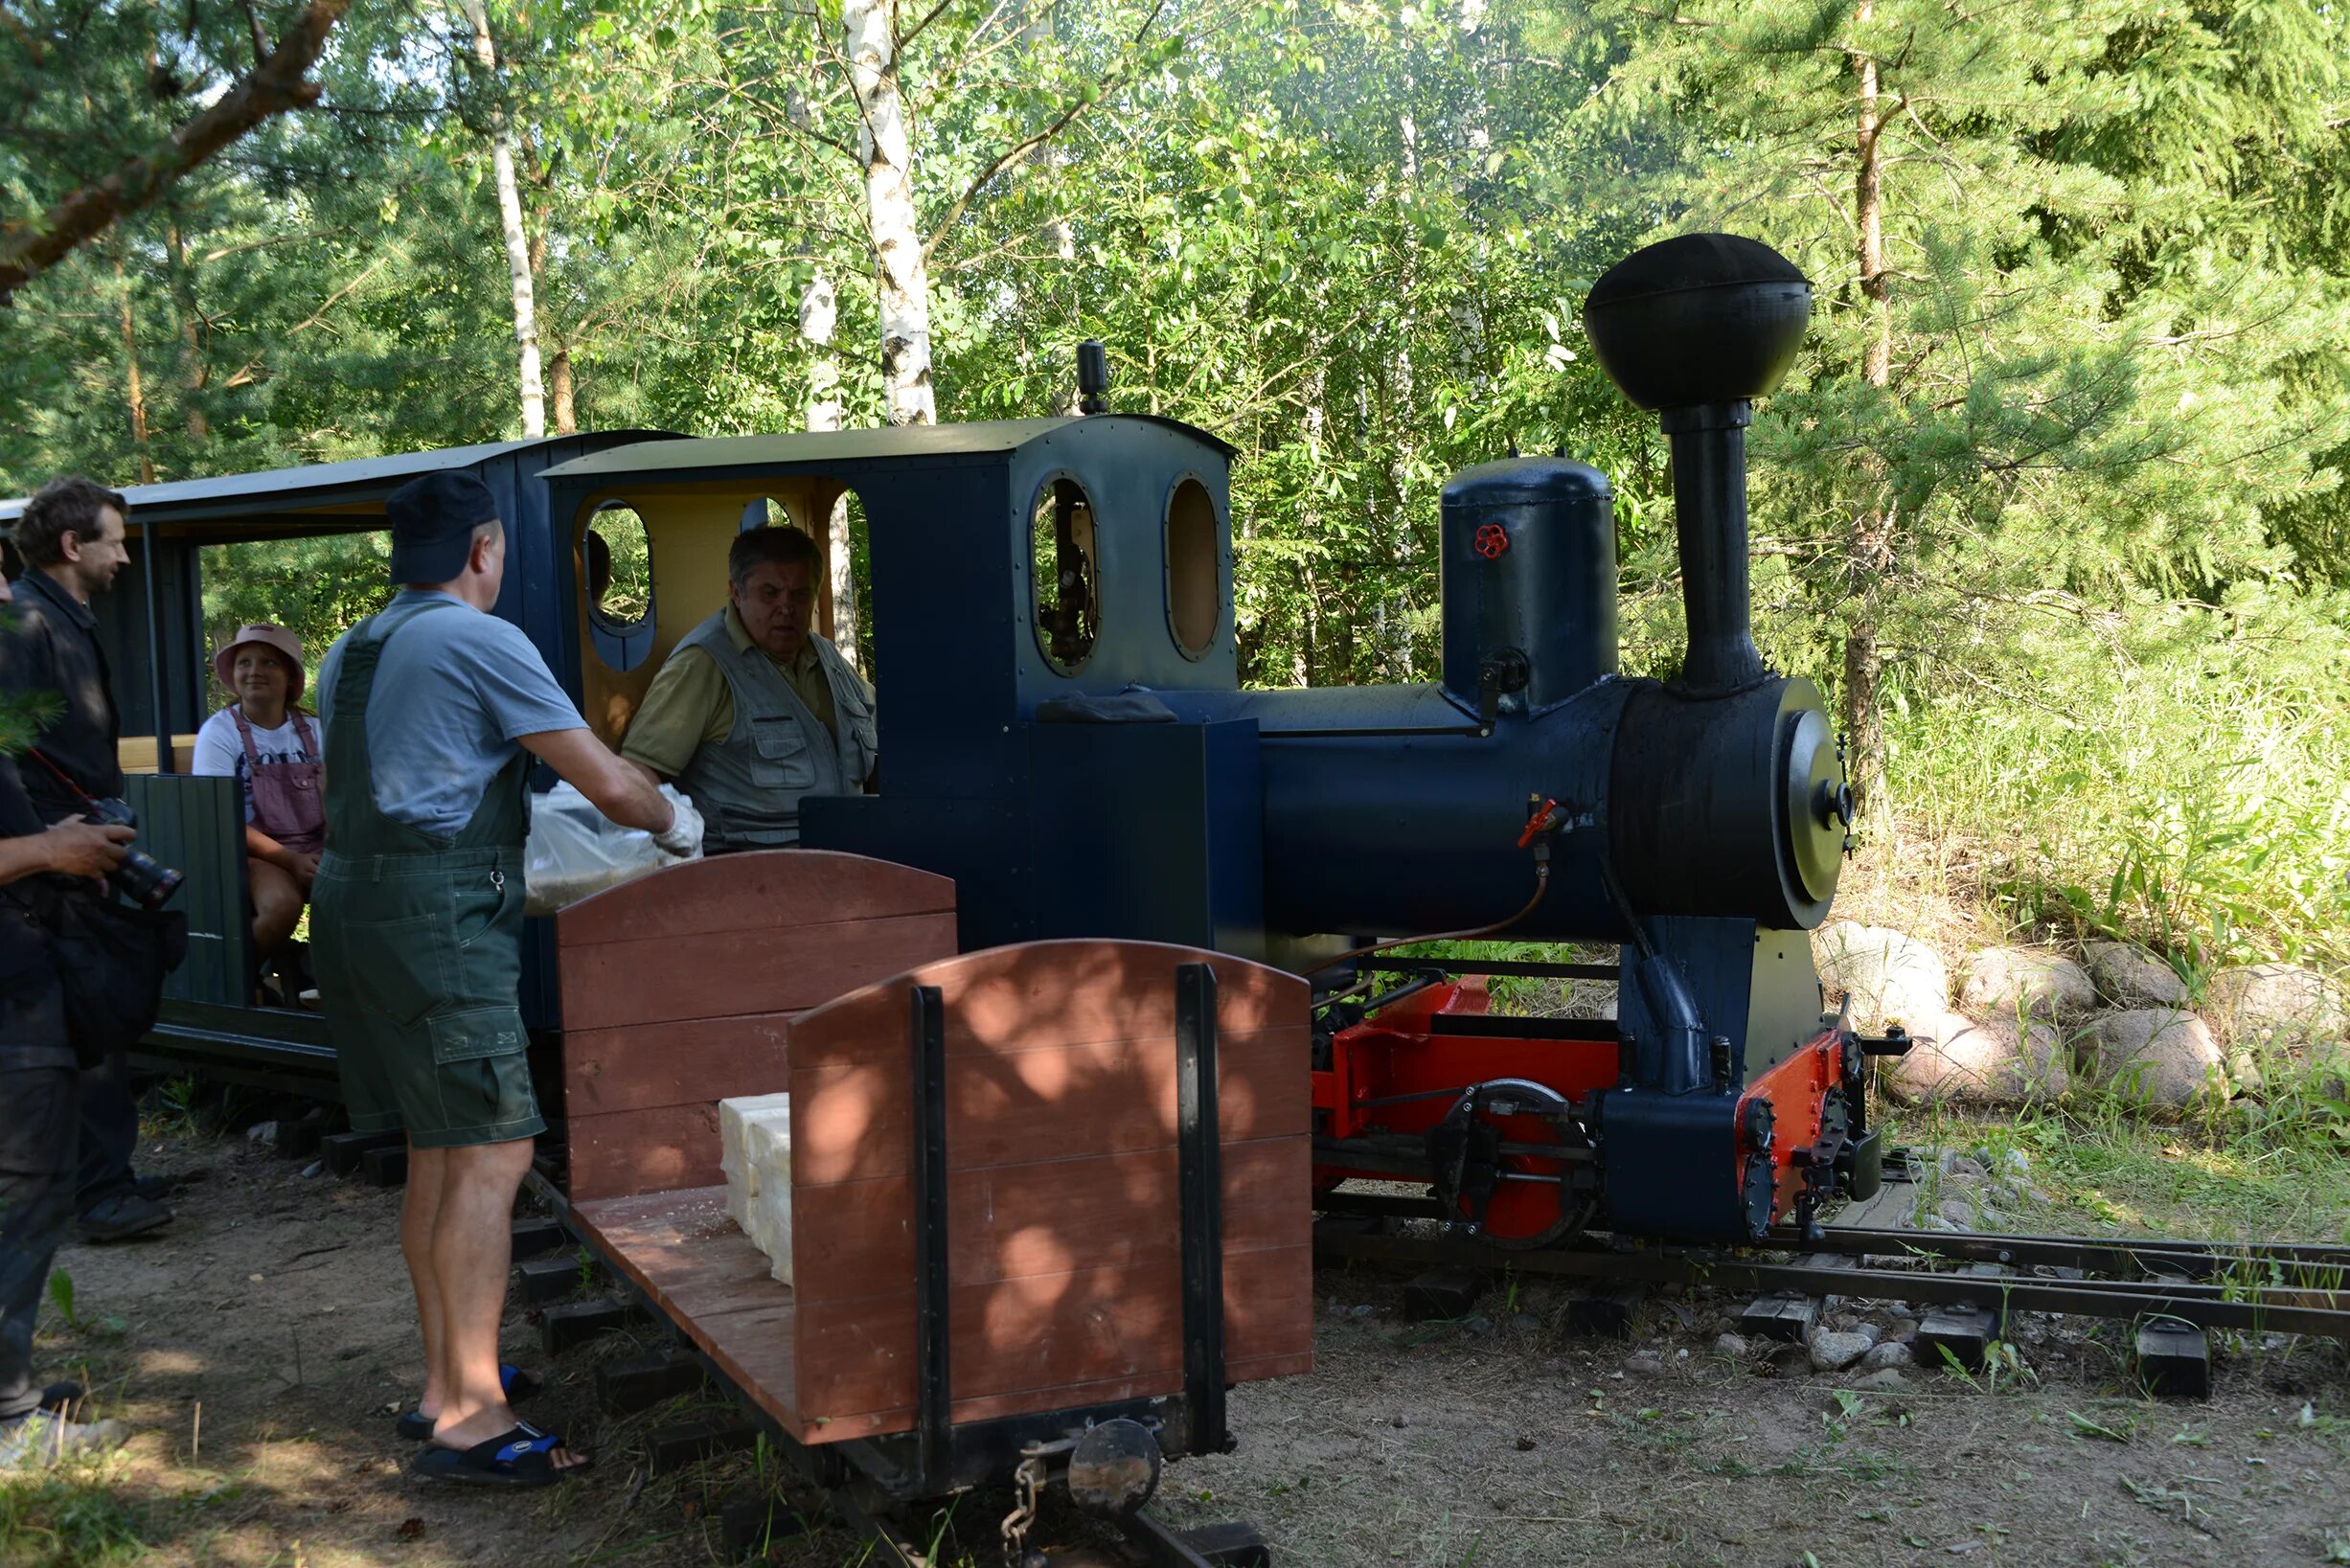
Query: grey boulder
[2157, 1058]
[1888, 975]
[2278, 1003]
[2023, 983]
[2128, 976]
[1834, 1352]
[1958, 1061]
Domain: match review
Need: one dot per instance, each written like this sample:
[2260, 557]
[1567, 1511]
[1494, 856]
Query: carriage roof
[832, 448]
[317, 487]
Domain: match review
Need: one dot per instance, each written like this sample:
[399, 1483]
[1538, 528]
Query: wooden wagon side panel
[679, 987]
[1065, 1222]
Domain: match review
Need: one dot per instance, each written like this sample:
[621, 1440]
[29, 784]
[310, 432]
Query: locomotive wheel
[1503, 1161]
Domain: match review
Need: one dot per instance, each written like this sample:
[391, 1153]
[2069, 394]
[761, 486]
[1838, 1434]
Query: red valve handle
[1539, 822]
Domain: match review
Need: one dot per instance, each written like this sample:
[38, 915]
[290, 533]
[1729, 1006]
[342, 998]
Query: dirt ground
[262, 1345]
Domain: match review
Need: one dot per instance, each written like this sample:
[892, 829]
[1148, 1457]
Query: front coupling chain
[1027, 1489]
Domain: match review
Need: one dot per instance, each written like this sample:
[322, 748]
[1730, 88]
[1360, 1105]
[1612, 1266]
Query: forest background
[2051, 503]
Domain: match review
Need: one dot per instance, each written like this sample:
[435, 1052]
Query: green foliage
[71, 1515]
[316, 587]
[23, 717]
[2168, 770]
[61, 1295]
[1353, 238]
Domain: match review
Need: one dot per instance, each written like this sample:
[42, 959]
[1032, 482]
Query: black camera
[141, 877]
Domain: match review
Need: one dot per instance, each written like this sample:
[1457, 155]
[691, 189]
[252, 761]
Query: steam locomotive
[1064, 733]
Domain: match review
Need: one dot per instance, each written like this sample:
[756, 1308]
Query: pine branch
[278, 85]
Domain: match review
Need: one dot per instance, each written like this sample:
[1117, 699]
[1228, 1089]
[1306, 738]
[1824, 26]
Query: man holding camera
[71, 536]
[40, 1088]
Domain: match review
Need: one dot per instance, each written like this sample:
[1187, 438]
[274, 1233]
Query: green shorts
[419, 971]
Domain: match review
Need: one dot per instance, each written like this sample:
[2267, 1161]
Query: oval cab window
[616, 573]
[1063, 568]
[1195, 576]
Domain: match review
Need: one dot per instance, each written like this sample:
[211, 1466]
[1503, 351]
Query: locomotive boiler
[1699, 822]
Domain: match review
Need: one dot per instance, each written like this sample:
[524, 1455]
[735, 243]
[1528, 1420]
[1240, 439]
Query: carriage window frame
[1037, 498]
[1218, 566]
[619, 646]
[604, 618]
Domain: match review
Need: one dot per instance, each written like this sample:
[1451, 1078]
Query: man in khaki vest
[753, 710]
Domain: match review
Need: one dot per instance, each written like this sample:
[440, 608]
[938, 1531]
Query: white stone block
[755, 1151]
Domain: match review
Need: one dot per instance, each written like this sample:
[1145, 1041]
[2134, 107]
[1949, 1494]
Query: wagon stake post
[933, 1427]
[1201, 1183]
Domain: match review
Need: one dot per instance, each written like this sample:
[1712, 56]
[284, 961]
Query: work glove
[682, 837]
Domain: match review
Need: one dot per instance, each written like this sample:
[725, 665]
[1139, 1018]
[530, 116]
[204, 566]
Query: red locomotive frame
[1394, 1079]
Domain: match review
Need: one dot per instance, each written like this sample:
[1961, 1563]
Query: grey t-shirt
[453, 690]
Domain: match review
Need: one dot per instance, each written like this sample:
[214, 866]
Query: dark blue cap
[432, 522]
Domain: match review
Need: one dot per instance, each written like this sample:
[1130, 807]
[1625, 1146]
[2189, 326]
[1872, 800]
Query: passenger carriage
[151, 627]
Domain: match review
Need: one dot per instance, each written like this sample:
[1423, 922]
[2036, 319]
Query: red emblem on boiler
[1492, 541]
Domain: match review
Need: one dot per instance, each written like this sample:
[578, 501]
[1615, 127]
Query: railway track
[2174, 1290]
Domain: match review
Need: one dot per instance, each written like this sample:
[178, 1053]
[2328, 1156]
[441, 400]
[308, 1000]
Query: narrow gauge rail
[2250, 1287]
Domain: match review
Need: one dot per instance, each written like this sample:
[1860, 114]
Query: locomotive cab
[1036, 592]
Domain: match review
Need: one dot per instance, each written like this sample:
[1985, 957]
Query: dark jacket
[49, 644]
[33, 1034]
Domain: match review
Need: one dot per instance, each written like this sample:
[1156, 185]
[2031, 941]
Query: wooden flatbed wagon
[1048, 1200]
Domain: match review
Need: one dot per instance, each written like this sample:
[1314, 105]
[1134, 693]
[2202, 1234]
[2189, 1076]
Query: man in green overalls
[434, 710]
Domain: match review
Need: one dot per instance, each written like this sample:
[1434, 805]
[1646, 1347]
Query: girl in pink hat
[278, 751]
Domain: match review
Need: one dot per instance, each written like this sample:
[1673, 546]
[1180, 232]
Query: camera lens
[145, 880]
[141, 877]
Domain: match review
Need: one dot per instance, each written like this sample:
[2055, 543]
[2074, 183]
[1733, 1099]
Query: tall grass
[71, 1516]
[2175, 775]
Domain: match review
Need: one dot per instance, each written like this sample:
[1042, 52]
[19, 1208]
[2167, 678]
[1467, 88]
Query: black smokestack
[1698, 326]
[1092, 377]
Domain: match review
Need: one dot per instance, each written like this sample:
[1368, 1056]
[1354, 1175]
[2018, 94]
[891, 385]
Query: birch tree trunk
[1869, 548]
[1305, 658]
[819, 315]
[509, 219]
[1404, 389]
[903, 276]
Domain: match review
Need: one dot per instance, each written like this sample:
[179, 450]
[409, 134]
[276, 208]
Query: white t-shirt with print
[220, 752]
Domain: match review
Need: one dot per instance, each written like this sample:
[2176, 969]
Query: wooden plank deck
[683, 1251]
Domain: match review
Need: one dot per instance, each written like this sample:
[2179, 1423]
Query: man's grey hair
[768, 545]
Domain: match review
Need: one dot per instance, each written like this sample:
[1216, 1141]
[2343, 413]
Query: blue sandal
[416, 1428]
[521, 1459]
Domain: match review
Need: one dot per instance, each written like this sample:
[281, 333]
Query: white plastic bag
[576, 850]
